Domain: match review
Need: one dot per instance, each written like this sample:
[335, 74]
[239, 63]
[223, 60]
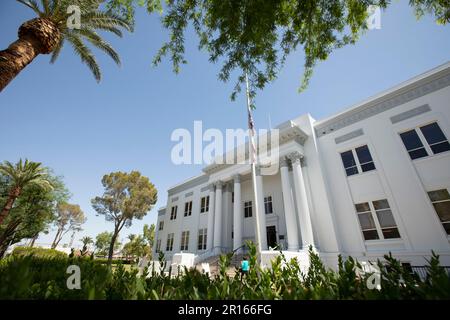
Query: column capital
[211, 187]
[219, 185]
[284, 162]
[295, 157]
[237, 178]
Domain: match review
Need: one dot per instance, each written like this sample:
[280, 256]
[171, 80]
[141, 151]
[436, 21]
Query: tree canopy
[256, 36]
[33, 212]
[127, 196]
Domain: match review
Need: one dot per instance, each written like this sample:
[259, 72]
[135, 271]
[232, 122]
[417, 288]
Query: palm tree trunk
[36, 36]
[14, 59]
[12, 196]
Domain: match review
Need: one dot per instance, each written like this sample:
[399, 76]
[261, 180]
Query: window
[365, 159]
[386, 219]
[158, 245]
[173, 213]
[376, 220]
[349, 163]
[169, 245]
[357, 160]
[188, 208]
[413, 144]
[441, 202]
[435, 138]
[248, 209]
[268, 208]
[184, 241]
[161, 225]
[202, 239]
[232, 197]
[204, 204]
[428, 140]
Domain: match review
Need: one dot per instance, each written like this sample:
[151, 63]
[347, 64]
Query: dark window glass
[268, 205]
[441, 203]
[439, 195]
[435, 138]
[447, 227]
[351, 171]
[413, 144]
[418, 153]
[349, 163]
[411, 140]
[391, 233]
[432, 133]
[365, 159]
[370, 235]
[248, 209]
[362, 207]
[363, 154]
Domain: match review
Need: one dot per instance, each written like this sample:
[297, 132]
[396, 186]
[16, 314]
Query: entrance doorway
[271, 236]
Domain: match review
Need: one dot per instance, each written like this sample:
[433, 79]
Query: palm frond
[32, 4]
[98, 42]
[57, 51]
[46, 6]
[85, 54]
[105, 19]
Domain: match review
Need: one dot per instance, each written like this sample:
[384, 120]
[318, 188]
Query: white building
[370, 180]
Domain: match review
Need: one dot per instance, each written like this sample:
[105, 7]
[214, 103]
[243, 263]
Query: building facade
[370, 180]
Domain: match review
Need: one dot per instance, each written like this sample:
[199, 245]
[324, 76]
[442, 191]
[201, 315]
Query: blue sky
[58, 115]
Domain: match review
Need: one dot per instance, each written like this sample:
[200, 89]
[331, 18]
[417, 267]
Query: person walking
[245, 267]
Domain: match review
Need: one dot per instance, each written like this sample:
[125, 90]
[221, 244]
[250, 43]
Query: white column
[302, 201]
[237, 213]
[210, 230]
[289, 212]
[218, 217]
[261, 210]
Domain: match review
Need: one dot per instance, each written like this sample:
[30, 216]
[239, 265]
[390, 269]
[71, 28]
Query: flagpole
[253, 157]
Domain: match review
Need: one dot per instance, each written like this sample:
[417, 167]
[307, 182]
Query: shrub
[36, 277]
[37, 252]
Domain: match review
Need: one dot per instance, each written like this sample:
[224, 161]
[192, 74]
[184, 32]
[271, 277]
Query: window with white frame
[248, 211]
[184, 241]
[268, 207]
[161, 225]
[376, 220]
[188, 208]
[204, 204]
[202, 234]
[169, 245]
[424, 141]
[173, 213]
[357, 160]
[441, 203]
[158, 245]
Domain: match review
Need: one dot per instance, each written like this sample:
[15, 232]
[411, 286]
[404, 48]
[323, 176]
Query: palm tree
[86, 242]
[22, 174]
[48, 32]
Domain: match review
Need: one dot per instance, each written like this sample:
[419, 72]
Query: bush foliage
[43, 277]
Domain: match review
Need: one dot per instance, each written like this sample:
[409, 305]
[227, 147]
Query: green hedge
[33, 277]
[37, 252]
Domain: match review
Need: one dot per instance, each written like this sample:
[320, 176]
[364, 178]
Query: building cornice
[288, 131]
[414, 88]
